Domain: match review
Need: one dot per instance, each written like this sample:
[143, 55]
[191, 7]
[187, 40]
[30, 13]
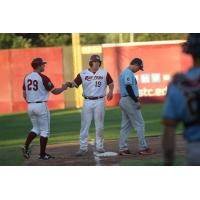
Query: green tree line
[27, 40]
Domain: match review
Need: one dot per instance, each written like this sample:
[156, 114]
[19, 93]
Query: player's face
[135, 68]
[95, 65]
[42, 68]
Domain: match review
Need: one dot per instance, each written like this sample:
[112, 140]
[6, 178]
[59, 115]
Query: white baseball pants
[40, 118]
[96, 109]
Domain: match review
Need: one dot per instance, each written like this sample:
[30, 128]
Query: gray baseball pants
[131, 118]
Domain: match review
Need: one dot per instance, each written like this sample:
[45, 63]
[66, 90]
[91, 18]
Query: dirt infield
[65, 153]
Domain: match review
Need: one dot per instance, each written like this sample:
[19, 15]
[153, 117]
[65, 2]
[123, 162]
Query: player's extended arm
[168, 144]
[57, 91]
[110, 93]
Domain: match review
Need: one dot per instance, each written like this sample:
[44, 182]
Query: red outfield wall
[161, 61]
[15, 64]
[5, 82]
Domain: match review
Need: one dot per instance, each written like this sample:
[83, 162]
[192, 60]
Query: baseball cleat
[100, 150]
[81, 152]
[26, 152]
[146, 151]
[124, 153]
[46, 157]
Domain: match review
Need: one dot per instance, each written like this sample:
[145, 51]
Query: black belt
[37, 102]
[93, 98]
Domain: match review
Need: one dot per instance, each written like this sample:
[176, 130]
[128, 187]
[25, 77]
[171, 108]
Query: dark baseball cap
[192, 45]
[94, 58]
[37, 62]
[138, 62]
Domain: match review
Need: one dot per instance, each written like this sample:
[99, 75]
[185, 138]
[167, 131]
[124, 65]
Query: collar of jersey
[93, 72]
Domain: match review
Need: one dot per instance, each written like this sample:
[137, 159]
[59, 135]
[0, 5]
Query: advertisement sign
[161, 61]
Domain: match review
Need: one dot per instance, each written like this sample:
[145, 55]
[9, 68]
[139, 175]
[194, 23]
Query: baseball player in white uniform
[36, 88]
[94, 82]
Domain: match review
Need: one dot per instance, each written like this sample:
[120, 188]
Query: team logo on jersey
[98, 77]
[128, 80]
[89, 78]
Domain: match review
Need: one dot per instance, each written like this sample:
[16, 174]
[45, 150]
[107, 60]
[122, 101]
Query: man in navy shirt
[183, 105]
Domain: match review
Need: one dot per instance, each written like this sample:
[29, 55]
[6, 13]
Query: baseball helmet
[37, 62]
[94, 58]
[138, 62]
[192, 46]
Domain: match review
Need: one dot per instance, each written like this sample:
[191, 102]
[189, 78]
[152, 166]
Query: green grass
[65, 126]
